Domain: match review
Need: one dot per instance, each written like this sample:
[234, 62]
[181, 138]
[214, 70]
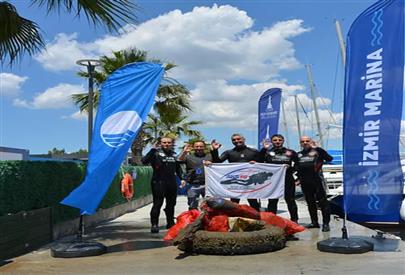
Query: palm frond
[82, 100]
[173, 90]
[18, 35]
[111, 14]
[169, 66]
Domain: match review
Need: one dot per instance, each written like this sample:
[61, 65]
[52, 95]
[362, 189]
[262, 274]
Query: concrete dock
[132, 249]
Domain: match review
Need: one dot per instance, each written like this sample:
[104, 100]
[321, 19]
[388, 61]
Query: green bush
[142, 186]
[29, 185]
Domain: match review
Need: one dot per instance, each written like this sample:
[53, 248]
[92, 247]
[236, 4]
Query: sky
[228, 53]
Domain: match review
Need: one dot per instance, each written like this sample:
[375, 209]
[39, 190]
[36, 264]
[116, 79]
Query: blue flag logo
[126, 98]
[120, 127]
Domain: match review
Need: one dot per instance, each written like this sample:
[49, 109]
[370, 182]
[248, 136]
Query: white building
[7, 153]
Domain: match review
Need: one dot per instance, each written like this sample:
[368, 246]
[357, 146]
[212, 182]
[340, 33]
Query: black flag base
[345, 245]
[77, 248]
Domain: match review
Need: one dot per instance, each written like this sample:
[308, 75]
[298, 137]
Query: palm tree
[172, 97]
[172, 100]
[19, 35]
[175, 127]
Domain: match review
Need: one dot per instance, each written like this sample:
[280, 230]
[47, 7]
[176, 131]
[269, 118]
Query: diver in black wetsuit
[310, 161]
[278, 154]
[164, 186]
[240, 153]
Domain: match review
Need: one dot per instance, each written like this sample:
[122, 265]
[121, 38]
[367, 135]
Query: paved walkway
[133, 250]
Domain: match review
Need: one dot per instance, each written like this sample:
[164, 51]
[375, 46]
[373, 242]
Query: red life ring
[127, 187]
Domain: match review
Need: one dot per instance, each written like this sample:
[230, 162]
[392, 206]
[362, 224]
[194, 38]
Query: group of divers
[303, 168]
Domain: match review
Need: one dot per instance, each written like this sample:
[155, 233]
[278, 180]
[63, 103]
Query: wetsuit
[195, 177]
[309, 166]
[164, 185]
[283, 156]
[239, 154]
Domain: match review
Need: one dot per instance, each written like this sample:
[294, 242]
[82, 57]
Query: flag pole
[342, 46]
[78, 247]
[344, 245]
[90, 64]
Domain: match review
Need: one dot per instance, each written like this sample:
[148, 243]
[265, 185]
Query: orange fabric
[183, 220]
[287, 225]
[240, 210]
[218, 223]
[127, 187]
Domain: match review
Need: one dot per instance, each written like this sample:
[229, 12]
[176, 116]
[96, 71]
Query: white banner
[245, 180]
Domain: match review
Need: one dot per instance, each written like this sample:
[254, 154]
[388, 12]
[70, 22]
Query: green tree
[19, 35]
[80, 152]
[172, 99]
[56, 152]
[171, 103]
[175, 127]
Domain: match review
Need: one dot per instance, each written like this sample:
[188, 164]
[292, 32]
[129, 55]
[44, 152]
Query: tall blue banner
[373, 183]
[125, 100]
[269, 113]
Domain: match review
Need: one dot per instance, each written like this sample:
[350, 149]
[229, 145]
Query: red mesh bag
[233, 210]
[218, 223]
[273, 219]
[183, 220]
[289, 226]
[245, 211]
[293, 227]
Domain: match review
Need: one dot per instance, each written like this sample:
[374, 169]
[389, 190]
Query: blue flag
[373, 183]
[125, 100]
[269, 113]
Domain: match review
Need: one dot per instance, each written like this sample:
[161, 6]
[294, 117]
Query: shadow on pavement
[184, 255]
[124, 232]
[135, 246]
[4, 262]
[382, 244]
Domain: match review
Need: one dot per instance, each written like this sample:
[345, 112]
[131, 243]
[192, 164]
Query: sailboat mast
[298, 118]
[285, 122]
[341, 42]
[312, 88]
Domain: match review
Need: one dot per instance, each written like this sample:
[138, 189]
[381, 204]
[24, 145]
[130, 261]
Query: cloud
[52, 98]
[10, 84]
[206, 43]
[63, 52]
[77, 116]
[222, 105]
[214, 48]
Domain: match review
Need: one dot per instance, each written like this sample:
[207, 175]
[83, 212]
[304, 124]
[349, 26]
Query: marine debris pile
[223, 227]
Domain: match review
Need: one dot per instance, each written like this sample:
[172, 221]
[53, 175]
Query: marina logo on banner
[269, 113]
[269, 103]
[245, 180]
[373, 182]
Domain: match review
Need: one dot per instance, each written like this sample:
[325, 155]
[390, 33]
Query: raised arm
[324, 155]
[263, 151]
[215, 154]
[150, 156]
[186, 150]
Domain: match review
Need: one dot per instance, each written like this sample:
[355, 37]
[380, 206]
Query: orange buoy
[127, 187]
